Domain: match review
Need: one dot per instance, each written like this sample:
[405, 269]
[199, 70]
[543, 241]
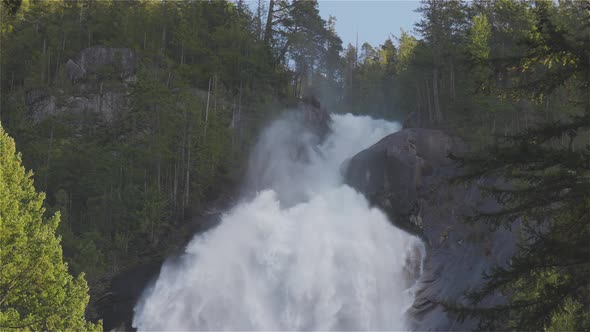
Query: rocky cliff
[407, 175]
[98, 86]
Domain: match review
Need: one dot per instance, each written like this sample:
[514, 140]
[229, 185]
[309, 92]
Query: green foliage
[407, 45]
[36, 290]
[548, 198]
[545, 190]
[479, 38]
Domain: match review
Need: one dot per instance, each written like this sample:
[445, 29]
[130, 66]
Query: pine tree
[36, 290]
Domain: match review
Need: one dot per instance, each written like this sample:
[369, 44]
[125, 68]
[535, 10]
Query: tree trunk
[175, 187]
[268, 28]
[44, 51]
[59, 53]
[159, 162]
[49, 67]
[429, 102]
[164, 38]
[182, 54]
[232, 124]
[207, 108]
[418, 98]
[215, 92]
[188, 173]
[48, 157]
[240, 111]
[100, 99]
[259, 20]
[81, 13]
[494, 124]
[284, 52]
[452, 82]
[435, 96]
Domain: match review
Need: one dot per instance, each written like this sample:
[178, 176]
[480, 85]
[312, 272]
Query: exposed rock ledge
[100, 77]
[406, 174]
[93, 60]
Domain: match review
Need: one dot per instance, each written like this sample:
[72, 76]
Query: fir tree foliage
[545, 188]
[36, 290]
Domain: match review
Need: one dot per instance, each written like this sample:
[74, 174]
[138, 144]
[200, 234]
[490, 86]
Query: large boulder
[392, 172]
[407, 175]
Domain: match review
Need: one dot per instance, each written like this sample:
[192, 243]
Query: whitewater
[301, 251]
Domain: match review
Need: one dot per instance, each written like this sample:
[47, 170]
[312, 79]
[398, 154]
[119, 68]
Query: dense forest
[136, 116]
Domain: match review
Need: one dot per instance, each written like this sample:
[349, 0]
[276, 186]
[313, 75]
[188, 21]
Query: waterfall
[304, 251]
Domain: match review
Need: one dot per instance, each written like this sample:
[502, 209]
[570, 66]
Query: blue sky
[373, 20]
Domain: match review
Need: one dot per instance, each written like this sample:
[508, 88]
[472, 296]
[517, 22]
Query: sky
[373, 20]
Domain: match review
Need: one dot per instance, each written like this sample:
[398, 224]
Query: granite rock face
[407, 175]
[93, 60]
[105, 106]
[100, 79]
[394, 172]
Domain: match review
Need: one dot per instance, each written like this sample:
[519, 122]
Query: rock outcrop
[40, 104]
[407, 175]
[94, 60]
[105, 106]
[395, 171]
[100, 79]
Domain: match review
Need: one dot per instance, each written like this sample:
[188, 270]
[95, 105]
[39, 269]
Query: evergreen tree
[546, 189]
[36, 290]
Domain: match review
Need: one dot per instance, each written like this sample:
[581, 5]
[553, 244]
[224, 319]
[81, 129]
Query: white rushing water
[305, 253]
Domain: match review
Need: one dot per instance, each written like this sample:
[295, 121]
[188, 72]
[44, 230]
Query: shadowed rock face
[393, 172]
[407, 175]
